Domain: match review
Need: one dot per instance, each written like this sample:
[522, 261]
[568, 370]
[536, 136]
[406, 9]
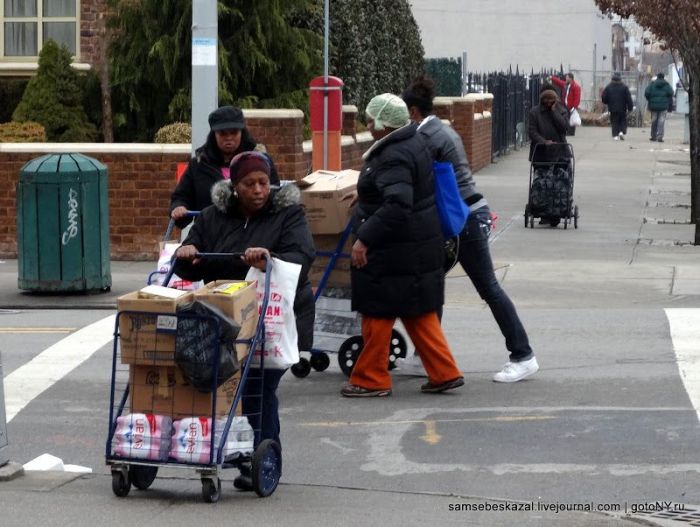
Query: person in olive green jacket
[659, 95]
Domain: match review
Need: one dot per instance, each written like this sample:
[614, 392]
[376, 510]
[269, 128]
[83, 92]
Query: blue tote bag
[452, 209]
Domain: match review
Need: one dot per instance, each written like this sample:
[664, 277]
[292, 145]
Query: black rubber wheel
[348, 352]
[142, 476]
[211, 489]
[302, 368]
[554, 222]
[575, 216]
[397, 348]
[267, 467]
[120, 483]
[532, 222]
[320, 361]
[527, 214]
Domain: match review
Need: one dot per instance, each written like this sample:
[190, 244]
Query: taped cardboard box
[163, 390]
[320, 193]
[240, 303]
[148, 337]
[340, 274]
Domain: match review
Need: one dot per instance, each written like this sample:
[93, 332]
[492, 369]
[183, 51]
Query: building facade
[26, 24]
[509, 33]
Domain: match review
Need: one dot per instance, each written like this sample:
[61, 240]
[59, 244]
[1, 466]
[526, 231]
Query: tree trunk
[694, 100]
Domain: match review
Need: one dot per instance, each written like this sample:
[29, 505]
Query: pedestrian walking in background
[617, 97]
[659, 96]
[547, 125]
[474, 254]
[398, 255]
[570, 95]
[228, 136]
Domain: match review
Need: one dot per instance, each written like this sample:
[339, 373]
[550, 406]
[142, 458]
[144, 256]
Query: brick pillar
[282, 133]
[349, 121]
[463, 122]
[442, 107]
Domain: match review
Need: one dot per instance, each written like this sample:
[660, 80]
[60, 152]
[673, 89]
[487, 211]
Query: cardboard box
[340, 274]
[149, 337]
[163, 390]
[242, 306]
[320, 193]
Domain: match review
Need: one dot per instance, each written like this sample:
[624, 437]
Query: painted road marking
[55, 362]
[338, 424]
[685, 333]
[37, 330]
[431, 436]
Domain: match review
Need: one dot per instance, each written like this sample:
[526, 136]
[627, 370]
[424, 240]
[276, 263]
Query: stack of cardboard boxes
[147, 328]
[328, 216]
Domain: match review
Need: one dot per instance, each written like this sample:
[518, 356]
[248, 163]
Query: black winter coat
[544, 124]
[618, 97]
[280, 227]
[396, 218]
[193, 191]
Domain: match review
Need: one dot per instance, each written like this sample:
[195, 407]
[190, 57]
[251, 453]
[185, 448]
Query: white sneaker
[621, 136]
[410, 366]
[517, 371]
[616, 138]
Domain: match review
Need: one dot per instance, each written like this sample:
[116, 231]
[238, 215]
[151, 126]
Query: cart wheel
[527, 214]
[302, 368]
[532, 222]
[320, 361]
[142, 476]
[120, 483]
[211, 489]
[566, 223]
[575, 216]
[348, 352]
[267, 467]
[397, 348]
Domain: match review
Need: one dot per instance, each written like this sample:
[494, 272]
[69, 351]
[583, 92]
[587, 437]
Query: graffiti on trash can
[72, 230]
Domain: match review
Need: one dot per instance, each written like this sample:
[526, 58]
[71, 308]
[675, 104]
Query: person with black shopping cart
[248, 217]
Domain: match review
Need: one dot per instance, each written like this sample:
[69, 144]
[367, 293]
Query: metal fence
[514, 94]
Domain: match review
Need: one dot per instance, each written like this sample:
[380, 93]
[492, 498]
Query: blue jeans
[475, 259]
[264, 418]
[658, 119]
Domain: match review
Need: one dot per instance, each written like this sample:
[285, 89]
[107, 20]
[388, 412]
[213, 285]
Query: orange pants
[371, 371]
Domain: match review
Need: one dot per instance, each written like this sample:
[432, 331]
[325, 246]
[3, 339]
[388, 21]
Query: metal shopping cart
[337, 328]
[155, 392]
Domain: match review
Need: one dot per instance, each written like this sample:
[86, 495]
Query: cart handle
[171, 272]
[171, 223]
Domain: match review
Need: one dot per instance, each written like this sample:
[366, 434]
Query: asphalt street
[610, 423]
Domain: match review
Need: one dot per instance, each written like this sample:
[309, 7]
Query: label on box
[166, 323]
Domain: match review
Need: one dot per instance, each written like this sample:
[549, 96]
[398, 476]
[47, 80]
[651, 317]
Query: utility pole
[205, 71]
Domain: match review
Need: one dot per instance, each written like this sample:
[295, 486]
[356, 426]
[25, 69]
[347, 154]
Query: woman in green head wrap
[398, 254]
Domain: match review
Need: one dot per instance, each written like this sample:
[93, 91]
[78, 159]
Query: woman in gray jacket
[474, 255]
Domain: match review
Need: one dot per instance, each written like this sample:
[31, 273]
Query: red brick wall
[91, 12]
[141, 177]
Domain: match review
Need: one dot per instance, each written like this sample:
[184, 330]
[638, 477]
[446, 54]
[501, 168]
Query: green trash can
[63, 225]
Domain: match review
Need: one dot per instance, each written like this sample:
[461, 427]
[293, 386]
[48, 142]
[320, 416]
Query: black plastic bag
[197, 347]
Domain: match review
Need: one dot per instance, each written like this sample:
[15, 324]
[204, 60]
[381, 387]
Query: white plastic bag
[167, 249]
[281, 348]
[574, 118]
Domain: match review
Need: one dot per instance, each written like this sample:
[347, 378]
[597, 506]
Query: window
[26, 24]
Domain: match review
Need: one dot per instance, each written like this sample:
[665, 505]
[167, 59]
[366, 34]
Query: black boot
[245, 480]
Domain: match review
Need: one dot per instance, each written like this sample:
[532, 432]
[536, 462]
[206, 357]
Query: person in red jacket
[570, 95]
